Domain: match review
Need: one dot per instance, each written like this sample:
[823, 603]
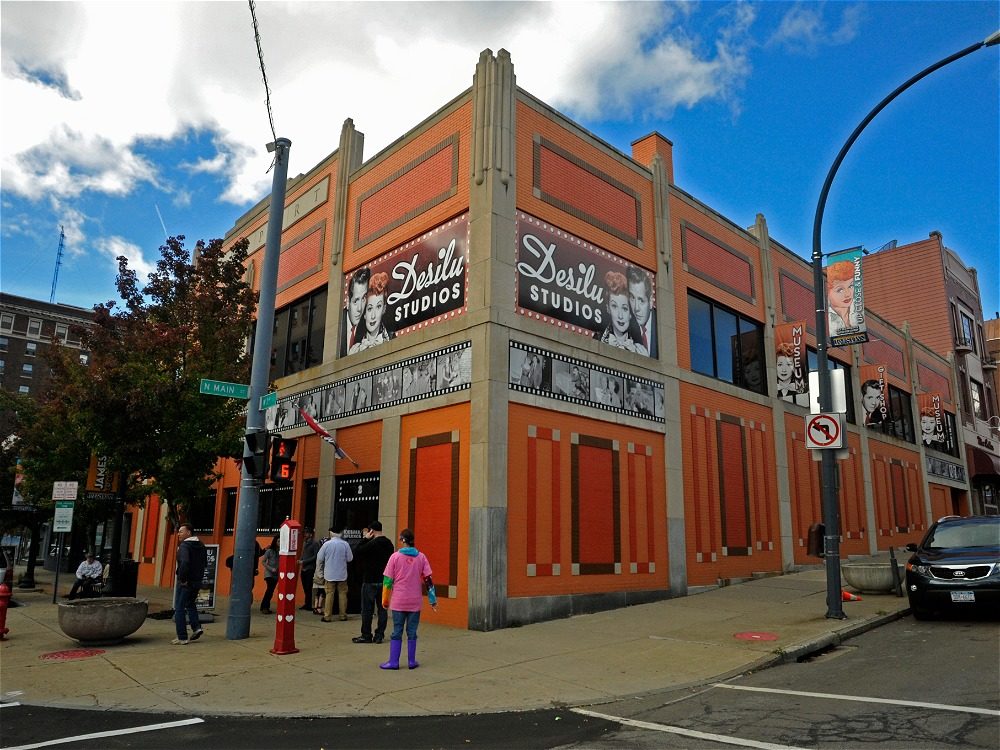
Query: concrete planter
[102, 622]
[869, 577]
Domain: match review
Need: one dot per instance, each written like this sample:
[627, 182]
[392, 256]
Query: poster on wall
[790, 365]
[873, 393]
[572, 284]
[845, 299]
[933, 433]
[413, 286]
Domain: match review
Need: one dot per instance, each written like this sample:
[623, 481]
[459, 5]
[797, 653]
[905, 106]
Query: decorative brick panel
[596, 497]
[797, 299]
[932, 381]
[426, 181]
[301, 258]
[580, 189]
[713, 261]
[881, 351]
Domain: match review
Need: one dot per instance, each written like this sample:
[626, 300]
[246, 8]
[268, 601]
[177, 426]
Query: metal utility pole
[828, 467]
[244, 558]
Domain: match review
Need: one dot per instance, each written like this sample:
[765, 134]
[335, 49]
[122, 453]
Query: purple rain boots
[394, 648]
[411, 652]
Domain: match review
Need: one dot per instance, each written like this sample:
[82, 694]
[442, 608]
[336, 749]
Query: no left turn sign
[824, 431]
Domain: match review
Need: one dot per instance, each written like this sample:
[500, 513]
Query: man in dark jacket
[192, 558]
[372, 552]
[307, 565]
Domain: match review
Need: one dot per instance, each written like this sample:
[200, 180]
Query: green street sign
[220, 388]
[268, 400]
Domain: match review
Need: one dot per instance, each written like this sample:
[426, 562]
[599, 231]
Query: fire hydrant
[4, 603]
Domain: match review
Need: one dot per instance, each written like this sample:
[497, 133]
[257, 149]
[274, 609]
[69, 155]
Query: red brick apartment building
[563, 376]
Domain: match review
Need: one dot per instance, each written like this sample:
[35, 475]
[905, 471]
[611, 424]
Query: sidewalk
[582, 660]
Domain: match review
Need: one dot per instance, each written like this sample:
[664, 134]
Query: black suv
[956, 565]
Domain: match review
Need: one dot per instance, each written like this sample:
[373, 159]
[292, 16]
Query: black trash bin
[126, 580]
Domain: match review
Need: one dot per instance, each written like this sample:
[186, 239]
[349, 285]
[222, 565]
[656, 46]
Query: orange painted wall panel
[585, 506]
[434, 502]
[898, 496]
[726, 480]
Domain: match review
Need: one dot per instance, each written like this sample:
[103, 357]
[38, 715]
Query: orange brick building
[562, 375]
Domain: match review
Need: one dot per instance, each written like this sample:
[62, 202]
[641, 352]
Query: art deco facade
[462, 310]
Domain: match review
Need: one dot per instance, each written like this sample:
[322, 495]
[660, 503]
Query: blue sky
[117, 114]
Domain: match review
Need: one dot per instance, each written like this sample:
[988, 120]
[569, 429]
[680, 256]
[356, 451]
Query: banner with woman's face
[790, 363]
[577, 286]
[932, 421]
[412, 286]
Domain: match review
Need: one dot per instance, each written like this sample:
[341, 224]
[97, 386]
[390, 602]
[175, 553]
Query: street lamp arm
[821, 205]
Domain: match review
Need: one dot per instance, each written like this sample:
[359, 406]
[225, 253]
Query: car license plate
[963, 596]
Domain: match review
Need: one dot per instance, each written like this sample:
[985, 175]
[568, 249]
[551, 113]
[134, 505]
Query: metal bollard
[4, 604]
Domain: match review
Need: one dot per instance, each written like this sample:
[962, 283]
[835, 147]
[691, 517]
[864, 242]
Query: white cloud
[804, 28]
[136, 73]
[112, 247]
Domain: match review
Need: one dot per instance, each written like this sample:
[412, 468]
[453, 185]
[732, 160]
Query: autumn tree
[137, 400]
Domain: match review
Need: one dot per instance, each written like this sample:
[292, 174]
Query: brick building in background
[448, 309]
[926, 287]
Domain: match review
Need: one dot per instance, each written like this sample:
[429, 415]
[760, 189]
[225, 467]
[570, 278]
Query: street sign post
[64, 494]
[64, 516]
[221, 388]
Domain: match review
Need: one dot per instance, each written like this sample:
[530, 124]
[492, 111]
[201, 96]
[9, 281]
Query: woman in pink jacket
[402, 591]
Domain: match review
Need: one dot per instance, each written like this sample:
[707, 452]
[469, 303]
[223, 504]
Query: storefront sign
[205, 600]
[417, 284]
[572, 284]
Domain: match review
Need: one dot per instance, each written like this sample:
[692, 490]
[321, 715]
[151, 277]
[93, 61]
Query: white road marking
[725, 739]
[863, 699]
[112, 733]
[9, 705]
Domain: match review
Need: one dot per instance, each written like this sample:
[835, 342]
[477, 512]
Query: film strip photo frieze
[424, 376]
[545, 373]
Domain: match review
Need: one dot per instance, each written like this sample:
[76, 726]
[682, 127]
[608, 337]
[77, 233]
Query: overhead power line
[263, 71]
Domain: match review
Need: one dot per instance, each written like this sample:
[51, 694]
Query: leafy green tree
[137, 401]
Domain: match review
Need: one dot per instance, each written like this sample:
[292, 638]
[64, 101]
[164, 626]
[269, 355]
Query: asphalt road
[909, 684]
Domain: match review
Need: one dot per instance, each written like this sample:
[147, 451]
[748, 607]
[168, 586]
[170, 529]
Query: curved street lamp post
[828, 468]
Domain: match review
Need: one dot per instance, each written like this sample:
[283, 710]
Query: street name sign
[268, 400]
[63, 520]
[221, 388]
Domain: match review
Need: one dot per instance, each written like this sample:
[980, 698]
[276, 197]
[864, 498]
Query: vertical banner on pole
[845, 298]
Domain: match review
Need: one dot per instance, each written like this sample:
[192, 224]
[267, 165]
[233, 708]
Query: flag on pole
[326, 436]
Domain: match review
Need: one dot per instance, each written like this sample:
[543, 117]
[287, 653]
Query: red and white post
[288, 548]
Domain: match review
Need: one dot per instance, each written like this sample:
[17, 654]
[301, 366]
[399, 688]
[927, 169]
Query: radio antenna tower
[59, 252]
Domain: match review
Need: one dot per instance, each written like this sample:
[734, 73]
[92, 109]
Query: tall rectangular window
[62, 333]
[34, 328]
[725, 345]
[6, 322]
[299, 330]
[968, 332]
[30, 349]
[978, 399]
[229, 522]
[27, 370]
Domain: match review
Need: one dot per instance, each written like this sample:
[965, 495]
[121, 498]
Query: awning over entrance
[982, 463]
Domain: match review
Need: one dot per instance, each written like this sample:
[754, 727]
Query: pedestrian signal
[282, 465]
[255, 455]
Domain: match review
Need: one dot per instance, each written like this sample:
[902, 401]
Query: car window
[966, 535]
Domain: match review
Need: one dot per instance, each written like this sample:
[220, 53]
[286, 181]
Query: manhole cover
[754, 636]
[75, 653]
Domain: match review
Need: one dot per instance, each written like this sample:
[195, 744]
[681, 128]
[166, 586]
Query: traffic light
[282, 465]
[255, 454]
